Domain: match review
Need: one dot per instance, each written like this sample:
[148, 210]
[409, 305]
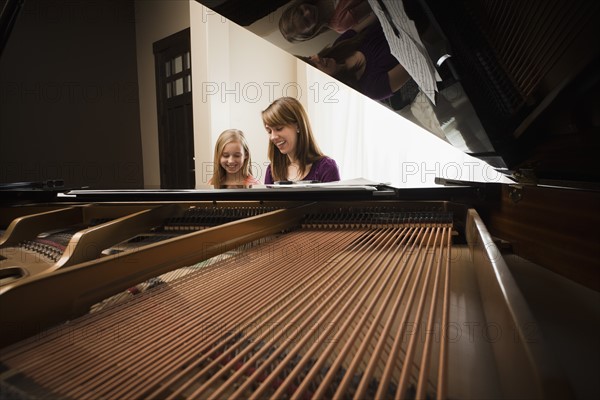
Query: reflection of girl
[363, 61]
[232, 160]
[306, 19]
[293, 152]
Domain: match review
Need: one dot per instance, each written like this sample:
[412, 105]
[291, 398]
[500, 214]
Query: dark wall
[69, 95]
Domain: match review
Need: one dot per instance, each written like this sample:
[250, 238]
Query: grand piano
[359, 289]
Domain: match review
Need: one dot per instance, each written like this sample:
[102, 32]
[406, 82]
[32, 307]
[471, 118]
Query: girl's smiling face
[306, 19]
[232, 157]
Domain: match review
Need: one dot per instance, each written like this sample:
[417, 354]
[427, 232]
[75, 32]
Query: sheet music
[407, 46]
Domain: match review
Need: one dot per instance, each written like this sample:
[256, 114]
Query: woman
[231, 163]
[304, 20]
[293, 152]
[363, 61]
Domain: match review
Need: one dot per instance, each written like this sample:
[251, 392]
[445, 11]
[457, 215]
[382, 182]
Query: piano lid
[517, 78]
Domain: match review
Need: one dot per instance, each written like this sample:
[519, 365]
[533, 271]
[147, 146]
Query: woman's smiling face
[284, 137]
[326, 64]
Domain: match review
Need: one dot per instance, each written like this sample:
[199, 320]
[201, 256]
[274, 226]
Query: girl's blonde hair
[292, 23]
[287, 111]
[226, 137]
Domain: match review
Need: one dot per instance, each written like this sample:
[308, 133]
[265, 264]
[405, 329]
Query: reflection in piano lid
[518, 80]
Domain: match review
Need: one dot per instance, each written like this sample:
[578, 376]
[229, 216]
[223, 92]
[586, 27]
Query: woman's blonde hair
[226, 137]
[287, 111]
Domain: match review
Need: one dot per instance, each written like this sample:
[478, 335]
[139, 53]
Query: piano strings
[345, 306]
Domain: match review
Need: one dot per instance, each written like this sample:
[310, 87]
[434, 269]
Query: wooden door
[175, 112]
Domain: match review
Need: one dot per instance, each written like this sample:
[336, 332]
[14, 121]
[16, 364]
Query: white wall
[155, 20]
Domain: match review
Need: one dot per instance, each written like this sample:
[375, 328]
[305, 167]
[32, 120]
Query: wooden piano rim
[524, 363]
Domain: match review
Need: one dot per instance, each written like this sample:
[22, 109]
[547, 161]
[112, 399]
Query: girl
[293, 152]
[232, 161]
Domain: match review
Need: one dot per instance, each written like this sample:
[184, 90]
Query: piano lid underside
[531, 71]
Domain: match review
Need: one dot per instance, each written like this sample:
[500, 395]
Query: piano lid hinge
[525, 176]
[515, 193]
